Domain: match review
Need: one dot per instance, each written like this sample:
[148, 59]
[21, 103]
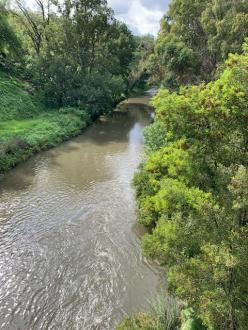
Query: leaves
[192, 194]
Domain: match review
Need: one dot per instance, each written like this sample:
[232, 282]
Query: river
[70, 255]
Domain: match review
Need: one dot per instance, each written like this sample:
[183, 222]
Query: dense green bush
[16, 100]
[165, 314]
[192, 194]
[155, 136]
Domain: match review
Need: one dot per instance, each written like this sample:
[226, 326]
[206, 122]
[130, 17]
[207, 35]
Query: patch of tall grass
[165, 314]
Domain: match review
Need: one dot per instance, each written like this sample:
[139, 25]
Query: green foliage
[139, 322]
[155, 136]
[139, 67]
[226, 25]
[164, 315]
[75, 52]
[25, 128]
[190, 322]
[192, 195]
[166, 312]
[175, 62]
[9, 43]
[94, 73]
[16, 101]
[195, 37]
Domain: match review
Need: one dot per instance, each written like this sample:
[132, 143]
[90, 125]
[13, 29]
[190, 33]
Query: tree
[83, 62]
[192, 195]
[195, 37]
[139, 68]
[36, 23]
[226, 24]
[173, 61]
[10, 46]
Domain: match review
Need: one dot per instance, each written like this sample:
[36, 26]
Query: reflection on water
[69, 258]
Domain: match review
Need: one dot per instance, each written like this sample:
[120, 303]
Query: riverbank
[21, 139]
[27, 128]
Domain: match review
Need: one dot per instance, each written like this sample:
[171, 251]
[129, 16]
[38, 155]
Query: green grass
[41, 129]
[19, 139]
[165, 314]
[26, 128]
[16, 99]
[140, 321]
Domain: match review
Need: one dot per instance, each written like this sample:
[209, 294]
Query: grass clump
[165, 314]
[140, 321]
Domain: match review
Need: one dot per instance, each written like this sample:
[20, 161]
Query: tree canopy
[195, 37]
[75, 52]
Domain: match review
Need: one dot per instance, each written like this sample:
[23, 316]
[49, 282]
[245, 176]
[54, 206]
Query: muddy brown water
[70, 257]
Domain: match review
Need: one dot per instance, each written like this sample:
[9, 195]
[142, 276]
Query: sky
[141, 16]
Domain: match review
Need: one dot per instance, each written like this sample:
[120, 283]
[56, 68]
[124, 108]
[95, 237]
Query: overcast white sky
[142, 16]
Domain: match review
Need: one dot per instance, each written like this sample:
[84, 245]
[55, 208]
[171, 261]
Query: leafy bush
[192, 195]
[155, 136]
[190, 321]
[164, 315]
[81, 113]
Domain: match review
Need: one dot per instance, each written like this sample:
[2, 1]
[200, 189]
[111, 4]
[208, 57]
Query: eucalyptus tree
[196, 36]
[36, 22]
[226, 24]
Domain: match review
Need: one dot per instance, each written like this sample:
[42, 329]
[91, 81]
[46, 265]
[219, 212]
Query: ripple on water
[69, 258]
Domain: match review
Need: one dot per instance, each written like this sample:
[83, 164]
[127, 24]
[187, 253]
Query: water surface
[69, 256]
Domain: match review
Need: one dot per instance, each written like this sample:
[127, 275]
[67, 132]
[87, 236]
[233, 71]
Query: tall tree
[195, 37]
[84, 61]
[226, 24]
[9, 44]
[36, 23]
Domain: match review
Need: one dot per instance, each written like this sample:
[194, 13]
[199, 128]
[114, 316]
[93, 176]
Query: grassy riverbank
[26, 127]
